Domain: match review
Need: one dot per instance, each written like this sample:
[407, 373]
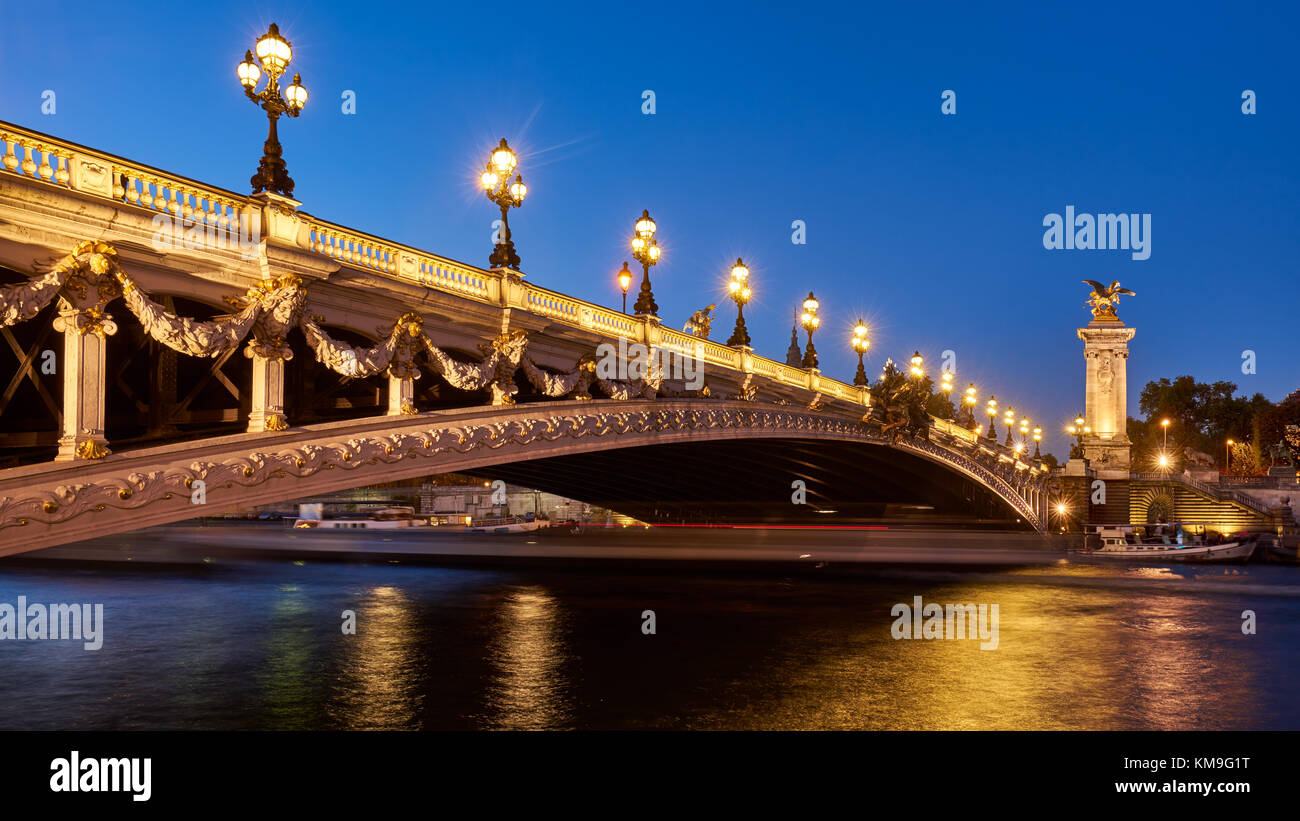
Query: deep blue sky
[928, 226]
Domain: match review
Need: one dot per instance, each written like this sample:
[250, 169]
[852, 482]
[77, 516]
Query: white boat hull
[1233, 551]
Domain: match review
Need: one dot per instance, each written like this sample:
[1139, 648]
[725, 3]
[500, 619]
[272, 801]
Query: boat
[1172, 543]
[387, 518]
[507, 524]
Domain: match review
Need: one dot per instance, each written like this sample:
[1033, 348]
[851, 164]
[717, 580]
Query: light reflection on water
[528, 692]
[376, 686]
[260, 646]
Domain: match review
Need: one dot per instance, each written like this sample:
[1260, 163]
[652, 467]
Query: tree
[1202, 416]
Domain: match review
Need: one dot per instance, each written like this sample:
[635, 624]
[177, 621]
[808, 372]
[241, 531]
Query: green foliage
[1204, 416]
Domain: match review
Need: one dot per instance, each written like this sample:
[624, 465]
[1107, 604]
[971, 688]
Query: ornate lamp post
[506, 194]
[740, 292]
[809, 320]
[992, 410]
[1227, 456]
[861, 344]
[968, 400]
[1024, 432]
[1009, 419]
[945, 384]
[918, 362]
[274, 53]
[1078, 430]
[645, 248]
[624, 282]
[1038, 437]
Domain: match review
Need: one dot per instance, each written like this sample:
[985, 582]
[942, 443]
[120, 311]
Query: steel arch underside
[682, 452]
[743, 481]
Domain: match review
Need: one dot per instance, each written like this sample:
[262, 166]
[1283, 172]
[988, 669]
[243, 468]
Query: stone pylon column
[85, 327]
[1105, 351]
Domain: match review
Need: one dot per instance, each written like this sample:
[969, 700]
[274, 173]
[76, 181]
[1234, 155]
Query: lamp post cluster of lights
[740, 292]
[506, 194]
[810, 321]
[1078, 430]
[273, 56]
[645, 249]
[918, 362]
[969, 397]
[861, 344]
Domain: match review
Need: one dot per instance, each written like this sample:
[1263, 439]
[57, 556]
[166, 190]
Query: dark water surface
[259, 645]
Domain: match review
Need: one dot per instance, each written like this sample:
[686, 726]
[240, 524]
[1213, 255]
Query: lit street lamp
[992, 409]
[809, 320]
[861, 344]
[1227, 457]
[740, 292]
[624, 282]
[1078, 430]
[645, 248]
[918, 363]
[968, 400]
[274, 53]
[1038, 437]
[1009, 419]
[506, 194]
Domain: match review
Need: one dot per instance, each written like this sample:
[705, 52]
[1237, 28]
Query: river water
[260, 645]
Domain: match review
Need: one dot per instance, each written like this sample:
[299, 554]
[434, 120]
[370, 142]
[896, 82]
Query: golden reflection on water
[379, 669]
[1066, 659]
[527, 654]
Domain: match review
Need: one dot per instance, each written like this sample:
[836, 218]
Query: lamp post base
[504, 256]
[645, 300]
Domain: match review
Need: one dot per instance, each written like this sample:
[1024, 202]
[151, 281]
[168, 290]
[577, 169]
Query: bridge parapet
[69, 165]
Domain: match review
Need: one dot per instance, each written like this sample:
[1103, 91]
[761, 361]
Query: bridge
[168, 335]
